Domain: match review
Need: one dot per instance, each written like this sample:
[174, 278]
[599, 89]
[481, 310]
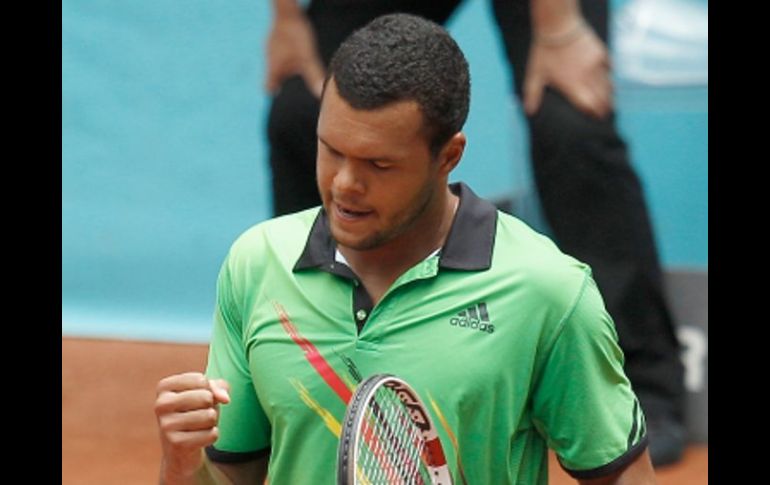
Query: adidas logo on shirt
[474, 317]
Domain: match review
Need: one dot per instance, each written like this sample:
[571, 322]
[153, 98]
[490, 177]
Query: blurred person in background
[591, 197]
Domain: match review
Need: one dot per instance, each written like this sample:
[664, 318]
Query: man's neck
[379, 268]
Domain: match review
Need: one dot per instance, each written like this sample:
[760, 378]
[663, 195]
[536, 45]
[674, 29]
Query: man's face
[375, 173]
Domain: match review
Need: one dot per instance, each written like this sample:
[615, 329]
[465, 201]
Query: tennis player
[505, 337]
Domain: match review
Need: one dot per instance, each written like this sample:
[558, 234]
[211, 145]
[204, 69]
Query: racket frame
[347, 452]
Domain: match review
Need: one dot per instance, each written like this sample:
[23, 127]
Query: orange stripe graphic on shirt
[452, 437]
[313, 356]
[330, 421]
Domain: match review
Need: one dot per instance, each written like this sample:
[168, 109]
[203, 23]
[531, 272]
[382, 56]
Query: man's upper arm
[583, 403]
[243, 426]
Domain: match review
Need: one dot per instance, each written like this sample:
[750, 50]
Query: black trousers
[590, 195]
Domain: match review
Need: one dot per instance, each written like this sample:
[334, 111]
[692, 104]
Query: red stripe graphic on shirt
[314, 356]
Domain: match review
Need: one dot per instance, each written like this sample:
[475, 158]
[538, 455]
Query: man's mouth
[350, 213]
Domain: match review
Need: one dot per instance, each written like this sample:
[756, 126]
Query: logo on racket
[412, 402]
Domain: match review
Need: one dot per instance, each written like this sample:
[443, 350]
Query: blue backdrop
[164, 157]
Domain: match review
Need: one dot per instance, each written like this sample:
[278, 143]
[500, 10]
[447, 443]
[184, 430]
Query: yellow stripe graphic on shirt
[329, 420]
[452, 437]
[362, 479]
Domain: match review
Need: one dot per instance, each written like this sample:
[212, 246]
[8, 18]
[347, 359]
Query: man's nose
[349, 178]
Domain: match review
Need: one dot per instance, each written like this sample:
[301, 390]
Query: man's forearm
[207, 474]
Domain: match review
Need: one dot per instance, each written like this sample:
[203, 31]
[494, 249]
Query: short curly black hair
[403, 57]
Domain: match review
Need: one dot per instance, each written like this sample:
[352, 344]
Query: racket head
[388, 437]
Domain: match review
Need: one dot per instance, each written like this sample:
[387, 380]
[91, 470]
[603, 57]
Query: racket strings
[392, 446]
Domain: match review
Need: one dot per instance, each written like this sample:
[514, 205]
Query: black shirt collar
[468, 246]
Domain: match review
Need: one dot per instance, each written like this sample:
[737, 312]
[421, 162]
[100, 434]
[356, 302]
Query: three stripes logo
[475, 317]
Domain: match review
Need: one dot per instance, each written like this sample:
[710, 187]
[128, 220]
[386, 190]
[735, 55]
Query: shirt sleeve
[244, 430]
[583, 402]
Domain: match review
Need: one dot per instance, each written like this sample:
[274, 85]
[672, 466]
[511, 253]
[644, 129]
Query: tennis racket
[388, 438]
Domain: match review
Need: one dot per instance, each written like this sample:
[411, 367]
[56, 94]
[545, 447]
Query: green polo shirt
[503, 336]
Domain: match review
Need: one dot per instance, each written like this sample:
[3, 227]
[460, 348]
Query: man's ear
[452, 152]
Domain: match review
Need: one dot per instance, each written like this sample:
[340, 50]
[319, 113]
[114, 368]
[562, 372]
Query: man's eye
[380, 165]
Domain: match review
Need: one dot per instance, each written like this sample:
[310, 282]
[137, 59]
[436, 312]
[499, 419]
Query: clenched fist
[187, 409]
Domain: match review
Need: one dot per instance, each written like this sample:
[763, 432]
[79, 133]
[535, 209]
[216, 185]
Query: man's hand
[187, 409]
[291, 50]
[577, 65]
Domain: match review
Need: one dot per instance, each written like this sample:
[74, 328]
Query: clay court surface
[108, 425]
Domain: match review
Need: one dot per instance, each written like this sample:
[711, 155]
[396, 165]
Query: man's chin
[356, 242]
